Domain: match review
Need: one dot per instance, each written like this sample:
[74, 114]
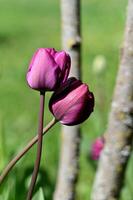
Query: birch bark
[70, 144]
[119, 134]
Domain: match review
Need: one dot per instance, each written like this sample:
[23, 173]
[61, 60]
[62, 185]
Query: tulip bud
[96, 148]
[72, 103]
[48, 69]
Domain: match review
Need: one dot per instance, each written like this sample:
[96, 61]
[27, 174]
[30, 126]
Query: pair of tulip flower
[71, 102]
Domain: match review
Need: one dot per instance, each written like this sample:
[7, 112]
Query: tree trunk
[119, 135]
[69, 154]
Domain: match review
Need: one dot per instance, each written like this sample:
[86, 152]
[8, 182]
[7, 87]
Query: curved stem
[39, 148]
[24, 151]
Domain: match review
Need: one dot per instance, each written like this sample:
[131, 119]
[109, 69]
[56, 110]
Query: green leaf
[8, 190]
[39, 195]
[2, 144]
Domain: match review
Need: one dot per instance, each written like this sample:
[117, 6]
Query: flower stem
[39, 148]
[13, 162]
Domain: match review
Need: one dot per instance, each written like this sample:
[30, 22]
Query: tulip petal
[79, 111]
[51, 51]
[43, 71]
[64, 62]
[72, 103]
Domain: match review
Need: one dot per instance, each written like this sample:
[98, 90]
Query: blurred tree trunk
[119, 135]
[70, 144]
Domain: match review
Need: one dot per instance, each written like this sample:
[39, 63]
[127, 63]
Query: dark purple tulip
[96, 148]
[72, 103]
[48, 69]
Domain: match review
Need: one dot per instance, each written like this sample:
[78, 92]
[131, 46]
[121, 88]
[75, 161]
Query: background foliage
[25, 26]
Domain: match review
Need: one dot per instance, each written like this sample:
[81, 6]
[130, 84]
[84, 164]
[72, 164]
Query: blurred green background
[25, 26]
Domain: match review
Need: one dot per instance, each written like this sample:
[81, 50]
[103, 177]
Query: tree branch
[119, 135]
[69, 157]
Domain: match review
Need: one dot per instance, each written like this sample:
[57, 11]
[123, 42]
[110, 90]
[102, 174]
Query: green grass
[25, 26]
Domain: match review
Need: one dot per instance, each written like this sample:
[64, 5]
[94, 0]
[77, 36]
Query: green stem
[13, 162]
[39, 148]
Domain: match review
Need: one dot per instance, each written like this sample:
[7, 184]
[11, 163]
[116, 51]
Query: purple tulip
[72, 103]
[48, 69]
[96, 148]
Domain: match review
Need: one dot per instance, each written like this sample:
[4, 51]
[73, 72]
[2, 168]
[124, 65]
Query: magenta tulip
[96, 148]
[72, 103]
[48, 69]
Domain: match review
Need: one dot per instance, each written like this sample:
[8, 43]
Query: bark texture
[119, 135]
[70, 144]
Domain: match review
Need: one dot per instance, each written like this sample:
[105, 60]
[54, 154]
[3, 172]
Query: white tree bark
[70, 144]
[119, 135]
